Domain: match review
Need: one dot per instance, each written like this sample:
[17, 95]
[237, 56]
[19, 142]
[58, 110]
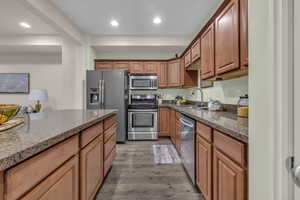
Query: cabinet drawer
[232, 148]
[91, 133]
[61, 185]
[109, 161]
[110, 121]
[28, 174]
[205, 131]
[109, 145]
[108, 133]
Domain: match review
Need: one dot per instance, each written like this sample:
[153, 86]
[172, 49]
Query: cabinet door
[174, 73]
[151, 67]
[61, 185]
[227, 38]
[178, 136]
[136, 67]
[104, 65]
[195, 51]
[187, 58]
[244, 32]
[91, 168]
[229, 178]
[163, 75]
[164, 121]
[172, 126]
[121, 65]
[208, 53]
[204, 167]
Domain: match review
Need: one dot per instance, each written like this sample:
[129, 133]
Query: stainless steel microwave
[143, 82]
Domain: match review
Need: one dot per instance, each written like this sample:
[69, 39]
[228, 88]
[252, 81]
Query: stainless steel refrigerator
[108, 89]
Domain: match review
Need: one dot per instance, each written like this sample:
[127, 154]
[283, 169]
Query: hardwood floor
[136, 176]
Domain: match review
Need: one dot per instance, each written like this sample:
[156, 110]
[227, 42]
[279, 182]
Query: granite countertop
[43, 130]
[225, 122]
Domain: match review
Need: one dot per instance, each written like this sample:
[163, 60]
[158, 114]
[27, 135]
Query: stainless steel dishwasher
[188, 146]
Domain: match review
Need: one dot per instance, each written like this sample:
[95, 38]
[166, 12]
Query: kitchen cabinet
[103, 65]
[91, 168]
[188, 78]
[174, 73]
[187, 58]
[244, 32]
[28, 174]
[195, 52]
[229, 178]
[164, 121]
[136, 67]
[121, 65]
[208, 53]
[151, 67]
[163, 75]
[110, 140]
[173, 126]
[204, 167]
[227, 39]
[177, 132]
[61, 185]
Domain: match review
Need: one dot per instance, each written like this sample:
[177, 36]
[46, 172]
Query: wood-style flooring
[137, 175]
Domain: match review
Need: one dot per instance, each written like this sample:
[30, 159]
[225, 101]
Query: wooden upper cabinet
[136, 67]
[244, 32]
[204, 167]
[174, 73]
[163, 75]
[229, 178]
[121, 65]
[91, 168]
[151, 67]
[187, 58]
[208, 53]
[104, 65]
[61, 185]
[164, 121]
[227, 38]
[195, 52]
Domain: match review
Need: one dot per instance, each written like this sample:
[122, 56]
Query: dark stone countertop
[225, 122]
[43, 130]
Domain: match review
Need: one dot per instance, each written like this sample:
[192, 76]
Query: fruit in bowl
[8, 111]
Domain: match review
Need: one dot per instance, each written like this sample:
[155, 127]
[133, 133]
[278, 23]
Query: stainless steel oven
[143, 82]
[143, 117]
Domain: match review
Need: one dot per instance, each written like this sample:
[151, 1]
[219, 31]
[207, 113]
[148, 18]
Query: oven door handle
[141, 110]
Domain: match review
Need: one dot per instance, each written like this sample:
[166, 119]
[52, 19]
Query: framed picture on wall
[14, 83]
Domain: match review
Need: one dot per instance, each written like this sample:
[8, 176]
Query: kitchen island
[47, 156]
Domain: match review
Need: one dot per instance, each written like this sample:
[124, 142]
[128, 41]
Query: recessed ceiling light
[114, 23]
[24, 25]
[157, 20]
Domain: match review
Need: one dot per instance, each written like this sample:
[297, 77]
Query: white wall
[64, 82]
[261, 91]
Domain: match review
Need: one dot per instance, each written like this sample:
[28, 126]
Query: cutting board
[10, 124]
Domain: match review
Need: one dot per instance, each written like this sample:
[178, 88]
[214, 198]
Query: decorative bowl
[8, 111]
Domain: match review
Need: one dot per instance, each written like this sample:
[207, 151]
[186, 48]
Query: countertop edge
[23, 155]
[226, 131]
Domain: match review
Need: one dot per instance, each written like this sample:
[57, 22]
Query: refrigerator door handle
[102, 95]
[100, 92]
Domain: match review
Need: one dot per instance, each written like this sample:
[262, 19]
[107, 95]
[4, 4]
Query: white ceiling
[180, 17]
[12, 12]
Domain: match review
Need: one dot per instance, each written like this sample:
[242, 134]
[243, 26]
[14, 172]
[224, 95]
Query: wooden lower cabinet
[164, 121]
[91, 168]
[63, 184]
[204, 167]
[178, 136]
[172, 126]
[229, 178]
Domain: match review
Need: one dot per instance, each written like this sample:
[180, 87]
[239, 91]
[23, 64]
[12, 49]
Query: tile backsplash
[228, 92]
